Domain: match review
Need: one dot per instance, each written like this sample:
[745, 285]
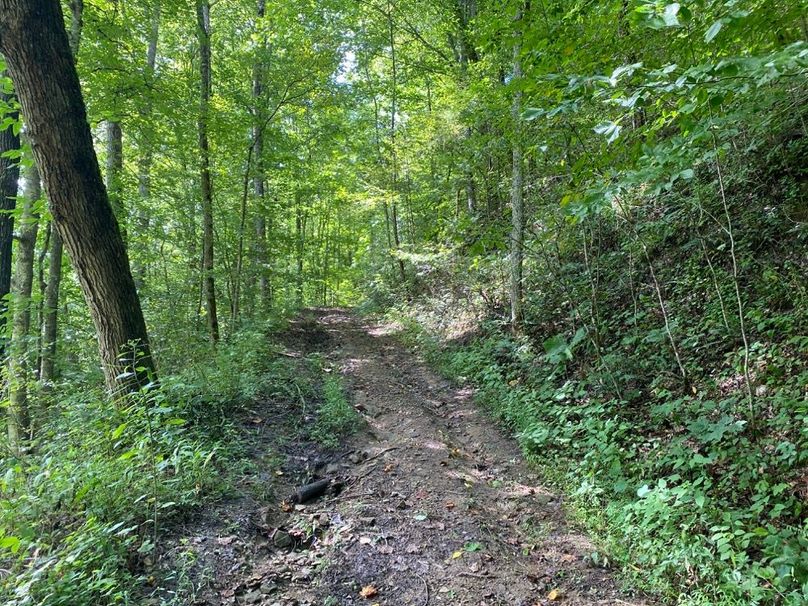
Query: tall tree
[19, 359]
[146, 150]
[114, 171]
[517, 186]
[36, 46]
[259, 178]
[9, 177]
[114, 163]
[50, 307]
[393, 125]
[206, 184]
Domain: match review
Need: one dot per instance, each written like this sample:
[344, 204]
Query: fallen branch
[307, 493]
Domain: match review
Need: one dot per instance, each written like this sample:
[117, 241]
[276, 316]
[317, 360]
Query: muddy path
[437, 505]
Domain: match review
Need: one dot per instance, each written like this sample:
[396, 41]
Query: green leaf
[610, 129]
[118, 432]
[532, 113]
[713, 31]
[557, 349]
[671, 15]
[10, 543]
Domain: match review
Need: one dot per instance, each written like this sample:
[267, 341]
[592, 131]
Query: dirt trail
[438, 506]
[444, 511]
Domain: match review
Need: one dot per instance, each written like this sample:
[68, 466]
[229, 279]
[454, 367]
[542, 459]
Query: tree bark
[50, 324]
[466, 11]
[9, 178]
[36, 46]
[208, 284]
[146, 157]
[300, 246]
[114, 172]
[259, 178]
[19, 359]
[517, 192]
[393, 152]
[76, 25]
[50, 318]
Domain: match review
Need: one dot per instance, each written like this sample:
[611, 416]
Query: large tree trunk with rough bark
[9, 176]
[208, 285]
[19, 359]
[35, 44]
[50, 305]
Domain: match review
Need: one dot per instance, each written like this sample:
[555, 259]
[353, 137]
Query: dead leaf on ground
[369, 591]
[554, 595]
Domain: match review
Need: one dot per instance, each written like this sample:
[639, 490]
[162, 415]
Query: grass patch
[336, 418]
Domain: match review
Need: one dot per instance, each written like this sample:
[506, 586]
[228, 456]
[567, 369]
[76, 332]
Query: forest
[510, 296]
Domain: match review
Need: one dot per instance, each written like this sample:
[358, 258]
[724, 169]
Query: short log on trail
[307, 493]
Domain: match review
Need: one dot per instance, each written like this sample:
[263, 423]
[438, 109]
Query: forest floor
[433, 502]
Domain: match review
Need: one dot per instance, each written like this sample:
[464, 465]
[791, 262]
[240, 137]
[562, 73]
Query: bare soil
[433, 502]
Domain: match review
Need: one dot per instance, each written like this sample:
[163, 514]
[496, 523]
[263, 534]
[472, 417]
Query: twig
[378, 454]
[426, 588]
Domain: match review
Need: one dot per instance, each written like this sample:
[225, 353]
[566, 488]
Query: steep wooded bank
[598, 209]
[641, 323]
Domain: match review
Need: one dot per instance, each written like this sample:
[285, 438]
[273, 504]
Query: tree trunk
[259, 177]
[76, 25]
[50, 318]
[36, 46]
[517, 193]
[19, 366]
[300, 246]
[50, 325]
[208, 285]
[115, 171]
[9, 177]
[393, 152]
[146, 158]
[466, 11]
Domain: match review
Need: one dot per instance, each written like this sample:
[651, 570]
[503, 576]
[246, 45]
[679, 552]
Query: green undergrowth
[83, 514]
[688, 503]
[336, 418]
[660, 374]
